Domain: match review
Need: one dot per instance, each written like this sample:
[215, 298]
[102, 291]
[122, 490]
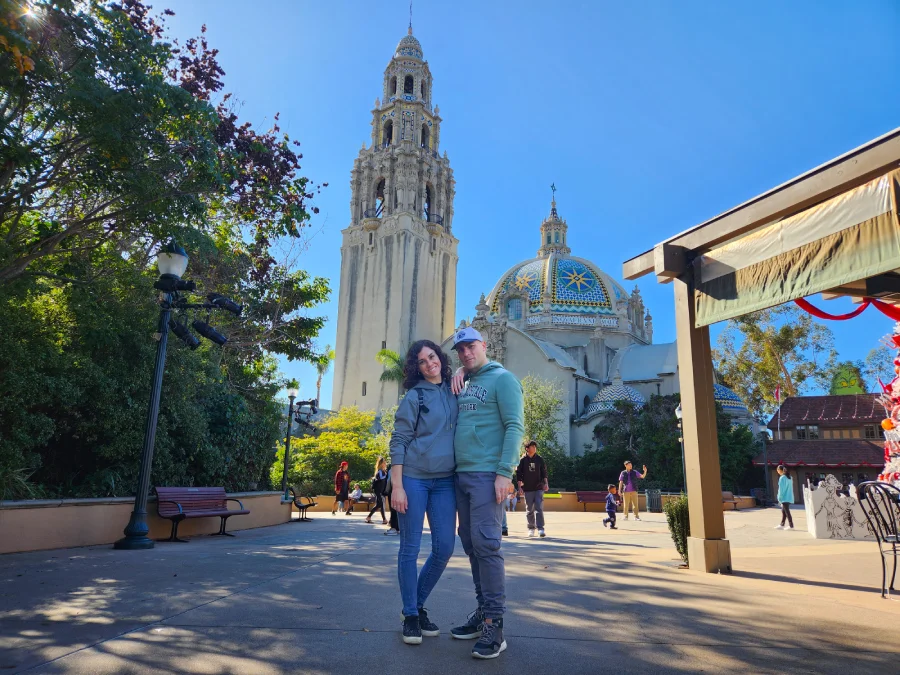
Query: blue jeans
[435, 497]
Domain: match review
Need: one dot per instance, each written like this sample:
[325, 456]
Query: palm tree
[322, 365]
[393, 365]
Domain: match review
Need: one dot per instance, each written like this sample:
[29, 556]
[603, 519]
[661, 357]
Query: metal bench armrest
[232, 499]
[169, 501]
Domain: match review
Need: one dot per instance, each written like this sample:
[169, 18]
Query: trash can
[654, 501]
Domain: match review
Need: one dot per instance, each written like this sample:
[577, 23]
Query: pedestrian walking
[628, 489]
[422, 466]
[341, 487]
[488, 437]
[612, 500]
[379, 481]
[393, 521]
[532, 477]
[785, 497]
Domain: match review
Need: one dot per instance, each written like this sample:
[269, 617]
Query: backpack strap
[421, 405]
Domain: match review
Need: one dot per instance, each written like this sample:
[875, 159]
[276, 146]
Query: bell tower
[398, 255]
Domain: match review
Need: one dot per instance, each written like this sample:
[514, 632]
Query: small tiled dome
[409, 46]
[607, 397]
[730, 402]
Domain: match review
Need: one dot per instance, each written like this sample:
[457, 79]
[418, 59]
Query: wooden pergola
[833, 230]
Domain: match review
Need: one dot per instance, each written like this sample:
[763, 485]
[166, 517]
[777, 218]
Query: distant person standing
[628, 489]
[532, 477]
[785, 498]
[341, 487]
[612, 500]
[379, 481]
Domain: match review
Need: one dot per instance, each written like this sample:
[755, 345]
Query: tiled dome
[730, 402]
[575, 286]
[607, 397]
[409, 46]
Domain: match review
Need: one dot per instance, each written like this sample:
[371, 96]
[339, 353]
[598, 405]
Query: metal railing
[373, 213]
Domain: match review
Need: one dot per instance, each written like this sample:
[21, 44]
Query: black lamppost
[172, 261]
[678, 416]
[292, 394]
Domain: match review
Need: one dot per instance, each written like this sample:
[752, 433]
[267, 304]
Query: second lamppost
[678, 416]
[292, 394]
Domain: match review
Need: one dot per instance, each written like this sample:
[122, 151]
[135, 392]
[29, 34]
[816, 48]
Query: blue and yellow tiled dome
[606, 398]
[730, 402]
[574, 286]
[409, 46]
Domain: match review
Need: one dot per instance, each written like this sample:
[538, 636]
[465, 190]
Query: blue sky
[649, 117]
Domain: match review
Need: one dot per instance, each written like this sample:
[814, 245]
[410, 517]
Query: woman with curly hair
[422, 468]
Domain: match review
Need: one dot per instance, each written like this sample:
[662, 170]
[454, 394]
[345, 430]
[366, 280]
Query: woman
[378, 482]
[341, 488]
[422, 467]
[785, 497]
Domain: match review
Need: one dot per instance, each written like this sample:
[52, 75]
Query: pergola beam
[824, 182]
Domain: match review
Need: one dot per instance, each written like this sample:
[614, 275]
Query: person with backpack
[422, 477]
[379, 482]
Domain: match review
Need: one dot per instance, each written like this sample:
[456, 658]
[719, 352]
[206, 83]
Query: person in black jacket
[379, 482]
[532, 478]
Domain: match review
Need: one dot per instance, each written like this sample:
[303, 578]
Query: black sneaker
[491, 643]
[471, 629]
[428, 627]
[505, 532]
[412, 634]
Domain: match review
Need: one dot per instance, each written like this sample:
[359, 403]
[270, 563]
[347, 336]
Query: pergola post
[707, 547]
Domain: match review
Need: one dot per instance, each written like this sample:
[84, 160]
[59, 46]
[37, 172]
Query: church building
[556, 316]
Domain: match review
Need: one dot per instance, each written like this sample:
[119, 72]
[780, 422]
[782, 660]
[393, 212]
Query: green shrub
[679, 522]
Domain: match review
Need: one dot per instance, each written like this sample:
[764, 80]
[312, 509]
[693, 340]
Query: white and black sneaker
[428, 627]
[471, 629]
[412, 634]
[491, 643]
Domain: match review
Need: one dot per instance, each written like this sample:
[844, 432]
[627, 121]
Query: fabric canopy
[850, 237]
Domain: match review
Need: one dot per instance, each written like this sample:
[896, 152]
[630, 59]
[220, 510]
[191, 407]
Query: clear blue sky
[650, 117]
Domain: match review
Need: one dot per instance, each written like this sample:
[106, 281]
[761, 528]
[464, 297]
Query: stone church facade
[399, 255]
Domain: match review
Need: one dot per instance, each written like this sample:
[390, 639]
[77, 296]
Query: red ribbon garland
[889, 311]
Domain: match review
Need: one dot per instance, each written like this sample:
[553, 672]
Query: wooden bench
[591, 497]
[729, 503]
[302, 506]
[367, 498]
[180, 503]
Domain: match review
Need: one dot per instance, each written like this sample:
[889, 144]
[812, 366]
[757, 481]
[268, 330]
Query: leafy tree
[782, 346]
[879, 364]
[393, 365]
[323, 363]
[545, 406]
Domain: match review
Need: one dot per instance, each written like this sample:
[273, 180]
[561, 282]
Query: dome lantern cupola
[553, 232]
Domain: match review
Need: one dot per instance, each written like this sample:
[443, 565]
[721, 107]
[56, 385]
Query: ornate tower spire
[553, 231]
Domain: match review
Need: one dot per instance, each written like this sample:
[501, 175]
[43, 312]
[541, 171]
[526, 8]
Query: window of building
[387, 134]
[861, 478]
[392, 88]
[874, 431]
[514, 309]
[587, 401]
[426, 136]
[846, 479]
[379, 199]
[556, 238]
[433, 244]
[548, 237]
[371, 238]
[427, 206]
[422, 89]
[408, 84]
[809, 432]
[364, 389]
[801, 432]
[383, 344]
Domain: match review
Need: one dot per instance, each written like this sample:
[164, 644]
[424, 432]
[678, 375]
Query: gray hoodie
[425, 451]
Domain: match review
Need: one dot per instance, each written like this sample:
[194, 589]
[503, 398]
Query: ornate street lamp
[678, 416]
[172, 261]
[292, 394]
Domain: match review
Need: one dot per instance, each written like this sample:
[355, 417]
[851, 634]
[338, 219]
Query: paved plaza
[321, 597]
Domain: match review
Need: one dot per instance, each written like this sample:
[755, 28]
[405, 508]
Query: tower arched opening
[426, 136]
[388, 133]
[392, 86]
[408, 84]
[379, 197]
[426, 211]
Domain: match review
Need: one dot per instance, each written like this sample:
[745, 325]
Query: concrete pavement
[322, 597]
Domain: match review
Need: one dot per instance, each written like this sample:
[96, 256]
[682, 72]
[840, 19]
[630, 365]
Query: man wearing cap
[628, 489]
[488, 436]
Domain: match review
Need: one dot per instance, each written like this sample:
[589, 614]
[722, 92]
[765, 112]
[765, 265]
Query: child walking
[611, 502]
[785, 497]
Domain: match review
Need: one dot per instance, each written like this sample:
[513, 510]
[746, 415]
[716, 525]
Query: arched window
[427, 211]
[587, 402]
[364, 389]
[557, 237]
[371, 238]
[423, 89]
[392, 87]
[514, 309]
[426, 135]
[408, 84]
[548, 237]
[379, 198]
[387, 134]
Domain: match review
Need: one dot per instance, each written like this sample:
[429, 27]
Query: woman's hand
[398, 500]
[458, 381]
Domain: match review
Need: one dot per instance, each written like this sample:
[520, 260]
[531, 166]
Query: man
[488, 433]
[532, 477]
[628, 489]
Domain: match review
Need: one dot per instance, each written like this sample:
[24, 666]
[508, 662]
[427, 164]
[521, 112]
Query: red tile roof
[829, 411]
[847, 452]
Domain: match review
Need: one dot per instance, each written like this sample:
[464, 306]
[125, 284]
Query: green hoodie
[491, 420]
